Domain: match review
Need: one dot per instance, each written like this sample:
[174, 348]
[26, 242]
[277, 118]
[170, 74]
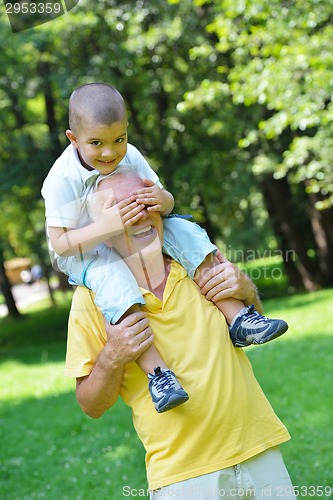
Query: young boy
[98, 136]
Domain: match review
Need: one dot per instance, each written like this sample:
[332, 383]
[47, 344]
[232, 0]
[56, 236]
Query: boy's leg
[93, 270]
[117, 294]
[228, 307]
[151, 358]
[186, 242]
[189, 244]
[246, 325]
[164, 388]
[106, 274]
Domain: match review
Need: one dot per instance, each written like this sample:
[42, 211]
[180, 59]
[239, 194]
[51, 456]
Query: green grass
[268, 275]
[295, 372]
[50, 449]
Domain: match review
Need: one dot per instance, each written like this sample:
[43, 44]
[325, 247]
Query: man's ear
[72, 138]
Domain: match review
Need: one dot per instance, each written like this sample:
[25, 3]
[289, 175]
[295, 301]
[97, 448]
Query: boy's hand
[124, 213]
[155, 198]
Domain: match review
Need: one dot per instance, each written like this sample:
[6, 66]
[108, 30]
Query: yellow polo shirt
[227, 419]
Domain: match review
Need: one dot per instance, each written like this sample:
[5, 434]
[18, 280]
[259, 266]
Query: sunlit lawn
[295, 372]
[50, 449]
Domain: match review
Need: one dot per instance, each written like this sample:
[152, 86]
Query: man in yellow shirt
[224, 441]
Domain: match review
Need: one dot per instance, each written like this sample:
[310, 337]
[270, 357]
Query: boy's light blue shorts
[107, 275]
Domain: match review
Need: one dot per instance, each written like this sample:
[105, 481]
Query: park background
[231, 103]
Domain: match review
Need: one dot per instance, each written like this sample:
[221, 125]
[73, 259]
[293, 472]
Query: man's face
[144, 234]
[101, 147]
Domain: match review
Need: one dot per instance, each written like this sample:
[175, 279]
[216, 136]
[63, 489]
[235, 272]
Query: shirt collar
[176, 274]
[88, 176]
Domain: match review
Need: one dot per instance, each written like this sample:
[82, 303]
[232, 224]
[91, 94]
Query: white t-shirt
[68, 184]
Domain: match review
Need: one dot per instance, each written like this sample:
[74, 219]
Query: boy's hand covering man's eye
[152, 196]
[120, 215]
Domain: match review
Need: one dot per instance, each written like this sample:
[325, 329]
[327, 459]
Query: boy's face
[100, 147]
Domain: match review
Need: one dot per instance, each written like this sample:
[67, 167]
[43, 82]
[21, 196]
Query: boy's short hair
[98, 103]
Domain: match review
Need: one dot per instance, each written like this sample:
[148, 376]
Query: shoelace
[252, 315]
[163, 381]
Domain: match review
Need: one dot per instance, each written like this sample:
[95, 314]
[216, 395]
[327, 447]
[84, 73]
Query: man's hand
[126, 341]
[130, 338]
[154, 198]
[226, 280]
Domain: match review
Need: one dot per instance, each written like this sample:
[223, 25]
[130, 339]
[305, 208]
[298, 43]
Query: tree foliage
[230, 100]
[275, 64]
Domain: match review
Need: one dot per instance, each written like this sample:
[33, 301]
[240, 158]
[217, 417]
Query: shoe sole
[273, 336]
[173, 402]
[254, 341]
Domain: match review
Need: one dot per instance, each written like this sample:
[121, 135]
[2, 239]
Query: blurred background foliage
[229, 100]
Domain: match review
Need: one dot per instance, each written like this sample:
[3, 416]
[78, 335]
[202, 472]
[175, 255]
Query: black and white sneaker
[165, 390]
[249, 327]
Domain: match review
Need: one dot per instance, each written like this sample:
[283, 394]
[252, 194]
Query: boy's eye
[119, 140]
[96, 143]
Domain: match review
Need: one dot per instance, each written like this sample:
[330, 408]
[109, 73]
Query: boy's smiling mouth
[106, 162]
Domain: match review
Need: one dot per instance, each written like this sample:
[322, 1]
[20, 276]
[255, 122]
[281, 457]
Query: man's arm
[226, 280]
[126, 341]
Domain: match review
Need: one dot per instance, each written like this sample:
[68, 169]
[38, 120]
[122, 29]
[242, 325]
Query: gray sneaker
[165, 390]
[249, 327]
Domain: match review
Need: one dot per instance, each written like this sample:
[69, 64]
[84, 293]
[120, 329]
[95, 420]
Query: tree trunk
[293, 274]
[279, 203]
[45, 72]
[7, 291]
[46, 273]
[63, 286]
[207, 223]
[322, 226]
